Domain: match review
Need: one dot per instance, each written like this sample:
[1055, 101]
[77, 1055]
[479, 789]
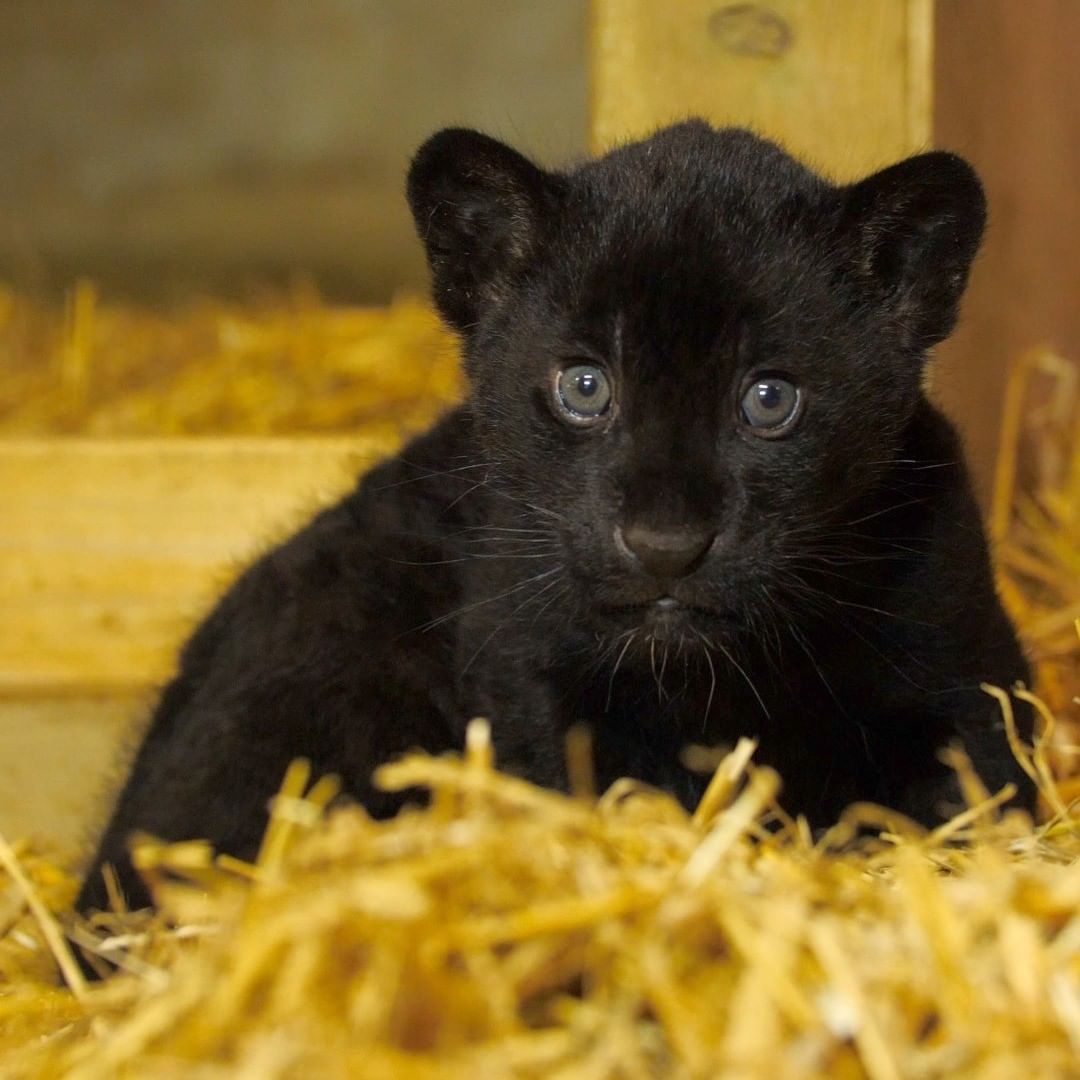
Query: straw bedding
[286, 365]
[508, 931]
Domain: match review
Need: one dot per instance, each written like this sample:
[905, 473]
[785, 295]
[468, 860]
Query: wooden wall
[1007, 96]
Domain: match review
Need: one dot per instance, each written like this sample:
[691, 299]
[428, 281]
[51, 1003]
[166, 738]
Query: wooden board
[843, 83]
[1007, 97]
[110, 550]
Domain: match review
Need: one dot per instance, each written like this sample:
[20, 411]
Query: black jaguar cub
[695, 491]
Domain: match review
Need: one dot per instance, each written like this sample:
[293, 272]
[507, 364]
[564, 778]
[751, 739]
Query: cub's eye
[582, 393]
[770, 404]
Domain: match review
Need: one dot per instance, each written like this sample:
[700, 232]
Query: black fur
[844, 614]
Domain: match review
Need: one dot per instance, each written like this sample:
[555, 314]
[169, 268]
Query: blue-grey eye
[770, 404]
[582, 393]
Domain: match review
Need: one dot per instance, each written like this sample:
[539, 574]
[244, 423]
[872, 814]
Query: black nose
[665, 554]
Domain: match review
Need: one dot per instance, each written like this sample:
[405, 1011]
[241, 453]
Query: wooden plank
[844, 84]
[110, 550]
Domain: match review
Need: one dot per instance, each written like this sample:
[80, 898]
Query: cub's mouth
[668, 616]
[666, 610]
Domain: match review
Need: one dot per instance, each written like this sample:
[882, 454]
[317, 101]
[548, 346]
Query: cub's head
[690, 356]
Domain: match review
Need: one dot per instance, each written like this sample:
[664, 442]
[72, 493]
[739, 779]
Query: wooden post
[844, 84]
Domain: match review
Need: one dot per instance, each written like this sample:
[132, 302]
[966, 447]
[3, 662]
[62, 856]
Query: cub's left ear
[913, 230]
[478, 207]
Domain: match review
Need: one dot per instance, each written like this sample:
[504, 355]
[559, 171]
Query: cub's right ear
[478, 208]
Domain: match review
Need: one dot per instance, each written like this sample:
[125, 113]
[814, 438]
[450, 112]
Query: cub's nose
[671, 553]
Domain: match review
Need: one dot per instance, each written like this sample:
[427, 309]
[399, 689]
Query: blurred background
[201, 145]
[224, 179]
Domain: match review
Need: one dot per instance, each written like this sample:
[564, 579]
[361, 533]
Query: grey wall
[170, 145]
